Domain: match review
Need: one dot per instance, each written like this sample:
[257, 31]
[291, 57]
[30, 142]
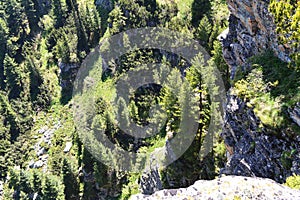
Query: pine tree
[7, 192]
[71, 190]
[3, 40]
[217, 56]
[4, 151]
[25, 184]
[13, 77]
[50, 189]
[116, 21]
[200, 8]
[82, 45]
[62, 49]
[204, 31]
[9, 118]
[91, 22]
[189, 112]
[123, 114]
[169, 98]
[37, 182]
[14, 182]
[18, 28]
[287, 18]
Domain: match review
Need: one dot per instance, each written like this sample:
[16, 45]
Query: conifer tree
[200, 8]
[169, 98]
[3, 40]
[116, 21]
[14, 182]
[204, 31]
[287, 19]
[122, 113]
[50, 188]
[92, 23]
[37, 182]
[13, 77]
[4, 149]
[25, 184]
[71, 185]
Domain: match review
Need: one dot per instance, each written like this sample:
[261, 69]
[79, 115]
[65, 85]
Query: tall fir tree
[3, 40]
[13, 79]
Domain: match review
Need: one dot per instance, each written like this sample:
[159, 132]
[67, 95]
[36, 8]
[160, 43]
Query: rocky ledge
[227, 187]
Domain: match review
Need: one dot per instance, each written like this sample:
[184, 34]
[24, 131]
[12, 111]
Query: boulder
[41, 151]
[228, 187]
[68, 147]
[38, 164]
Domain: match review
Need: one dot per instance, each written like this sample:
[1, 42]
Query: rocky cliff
[229, 187]
[251, 30]
[253, 150]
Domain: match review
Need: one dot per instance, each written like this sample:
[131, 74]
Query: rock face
[229, 187]
[150, 182]
[68, 72]
[255, 151]
[252, 149]
[251, 30]
[295, 113]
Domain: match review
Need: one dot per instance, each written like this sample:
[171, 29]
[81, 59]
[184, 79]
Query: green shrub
[293, 182]
[286, 14]
[256, 92]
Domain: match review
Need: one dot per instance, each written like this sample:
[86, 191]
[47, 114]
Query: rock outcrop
[228, 187]
[150, 182]
[253, 149]
[45, 135]
[295, 113]
[68, 72]
[251, 30]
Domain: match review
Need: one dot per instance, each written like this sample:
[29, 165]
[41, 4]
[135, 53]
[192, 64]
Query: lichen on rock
[228, 187]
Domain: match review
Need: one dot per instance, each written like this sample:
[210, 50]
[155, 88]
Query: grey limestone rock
[228, 187]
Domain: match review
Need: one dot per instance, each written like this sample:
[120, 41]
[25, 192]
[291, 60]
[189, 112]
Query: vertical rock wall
[253, 150]
[251, 30]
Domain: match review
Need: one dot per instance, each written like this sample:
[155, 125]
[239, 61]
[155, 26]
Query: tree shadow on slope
[199, 9]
